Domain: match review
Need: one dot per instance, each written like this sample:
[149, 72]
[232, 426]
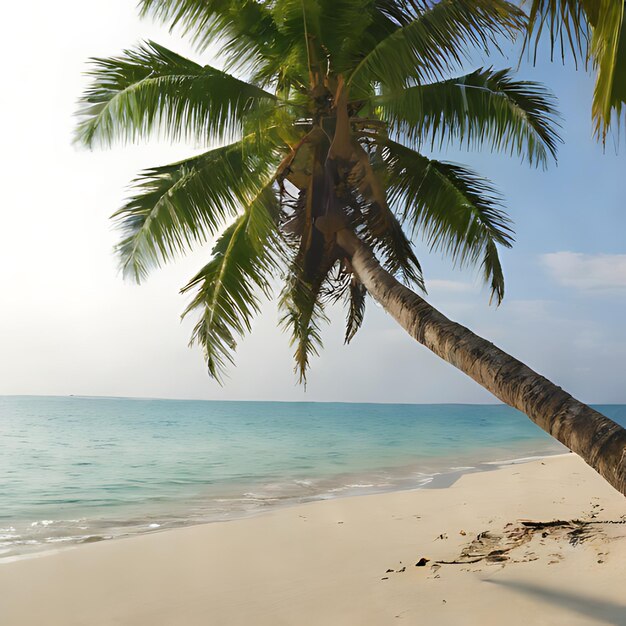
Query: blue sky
[69, 324]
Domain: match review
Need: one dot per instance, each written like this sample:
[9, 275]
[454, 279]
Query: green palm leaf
[608, 50]
[205, 21]
[333, 29]
[453, 209]
[303, 313]
[436, 41]
[485, 106]
[175, 206]
[226, 289]
[356, 308]
[153, 90]
[593, 30]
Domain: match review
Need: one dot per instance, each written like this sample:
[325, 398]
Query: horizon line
[98, 397]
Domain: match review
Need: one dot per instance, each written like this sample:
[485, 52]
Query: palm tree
[320, 174]
[595, 33]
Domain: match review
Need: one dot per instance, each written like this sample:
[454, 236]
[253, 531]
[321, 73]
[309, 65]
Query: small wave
[61, 539]
[522, 459]
[258, 498]
[43, 522]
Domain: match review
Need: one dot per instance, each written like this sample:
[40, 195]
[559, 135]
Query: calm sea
[77, 469]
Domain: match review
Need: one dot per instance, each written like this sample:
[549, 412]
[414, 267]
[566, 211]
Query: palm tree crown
[321, 118]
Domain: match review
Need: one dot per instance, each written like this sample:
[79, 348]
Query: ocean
[80, 469]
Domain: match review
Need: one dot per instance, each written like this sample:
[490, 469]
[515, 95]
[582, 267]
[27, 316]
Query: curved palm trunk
[597, 439]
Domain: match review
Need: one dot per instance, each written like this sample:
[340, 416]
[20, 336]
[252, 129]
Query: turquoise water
[84, 469]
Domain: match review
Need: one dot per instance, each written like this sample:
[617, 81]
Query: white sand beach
[352, 561]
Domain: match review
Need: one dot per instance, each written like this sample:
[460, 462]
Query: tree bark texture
[596, 438]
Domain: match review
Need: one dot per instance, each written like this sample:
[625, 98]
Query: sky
[69, 323]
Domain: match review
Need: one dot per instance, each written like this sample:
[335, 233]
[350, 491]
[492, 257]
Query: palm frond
[377, 224]
[154, 90]
[176, 206]
[592, 31]
[207, 21]
[381, 230]
[437, 40]
[453, 209]
[608, 50]
[485, 106]
[303, 313]
[226, 288]
[344, 29]
[565, 24]
[398, 256]
[356, 308]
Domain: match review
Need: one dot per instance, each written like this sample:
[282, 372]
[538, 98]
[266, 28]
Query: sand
[352, 561]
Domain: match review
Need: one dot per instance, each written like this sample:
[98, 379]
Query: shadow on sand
[601, 610]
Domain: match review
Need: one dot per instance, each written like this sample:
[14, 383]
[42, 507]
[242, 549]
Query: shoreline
[443, 481]
[352, 560]
[433, 480]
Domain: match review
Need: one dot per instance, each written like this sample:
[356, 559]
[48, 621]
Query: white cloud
[448, 286]
[587, 272]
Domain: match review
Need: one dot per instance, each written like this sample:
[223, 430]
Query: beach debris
[576, 531]
[422, 562]
[385, 578]
[389, 571]
[580, 534]
[402, 569]
[542, 525]
[492, 547]
[442, 536]
[484, 535]
[462, 532]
